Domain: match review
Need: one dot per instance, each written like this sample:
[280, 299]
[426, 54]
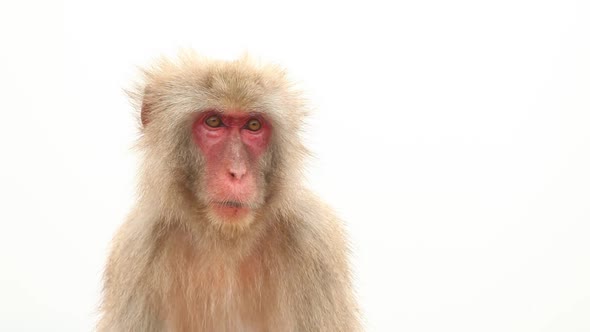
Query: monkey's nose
[236, 173]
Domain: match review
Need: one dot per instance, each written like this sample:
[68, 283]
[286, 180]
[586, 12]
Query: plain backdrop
[453, 137]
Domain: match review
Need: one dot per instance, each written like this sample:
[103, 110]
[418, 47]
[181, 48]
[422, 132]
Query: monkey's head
[220, 139]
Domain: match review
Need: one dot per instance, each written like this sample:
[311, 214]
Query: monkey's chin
[231, 214]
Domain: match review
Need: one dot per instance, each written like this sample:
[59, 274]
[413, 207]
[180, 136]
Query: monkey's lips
[231, 210]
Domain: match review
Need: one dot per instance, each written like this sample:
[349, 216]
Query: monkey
[225, 236]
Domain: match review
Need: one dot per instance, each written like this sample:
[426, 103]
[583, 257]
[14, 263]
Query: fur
[173, 267]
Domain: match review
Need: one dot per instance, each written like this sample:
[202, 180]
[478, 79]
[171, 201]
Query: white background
[453, 137]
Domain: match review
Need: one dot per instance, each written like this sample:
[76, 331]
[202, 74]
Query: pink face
[232, 143]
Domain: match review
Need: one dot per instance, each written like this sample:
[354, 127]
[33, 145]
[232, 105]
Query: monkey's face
[221, 140]
[234, 145]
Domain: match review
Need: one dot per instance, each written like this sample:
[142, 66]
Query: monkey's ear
[145, 113]
[146, 107]
[141, 97]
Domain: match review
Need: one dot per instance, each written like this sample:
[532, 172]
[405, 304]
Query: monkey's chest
[218, 297]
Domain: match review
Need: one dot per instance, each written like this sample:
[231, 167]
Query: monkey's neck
[201, 235]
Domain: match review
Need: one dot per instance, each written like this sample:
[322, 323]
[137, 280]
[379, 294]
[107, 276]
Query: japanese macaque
[224, 236]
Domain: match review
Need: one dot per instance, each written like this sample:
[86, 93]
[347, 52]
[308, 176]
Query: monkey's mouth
[231, 210]
[232, 204]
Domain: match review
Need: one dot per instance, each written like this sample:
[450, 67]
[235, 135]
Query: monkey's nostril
[236, 175]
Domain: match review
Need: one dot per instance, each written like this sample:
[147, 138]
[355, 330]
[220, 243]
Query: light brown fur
[174, 268]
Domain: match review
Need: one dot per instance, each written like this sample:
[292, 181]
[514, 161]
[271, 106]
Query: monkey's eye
[213, 121]
[253, 125]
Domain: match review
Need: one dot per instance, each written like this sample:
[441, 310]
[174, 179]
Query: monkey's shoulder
[316, 233]
[318, 269]
[129, 248]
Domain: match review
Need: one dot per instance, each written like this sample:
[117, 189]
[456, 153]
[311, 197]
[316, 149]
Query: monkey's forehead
[242, 75]
[200, 84]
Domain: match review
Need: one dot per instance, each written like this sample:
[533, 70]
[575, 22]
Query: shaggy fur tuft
[175, 267]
